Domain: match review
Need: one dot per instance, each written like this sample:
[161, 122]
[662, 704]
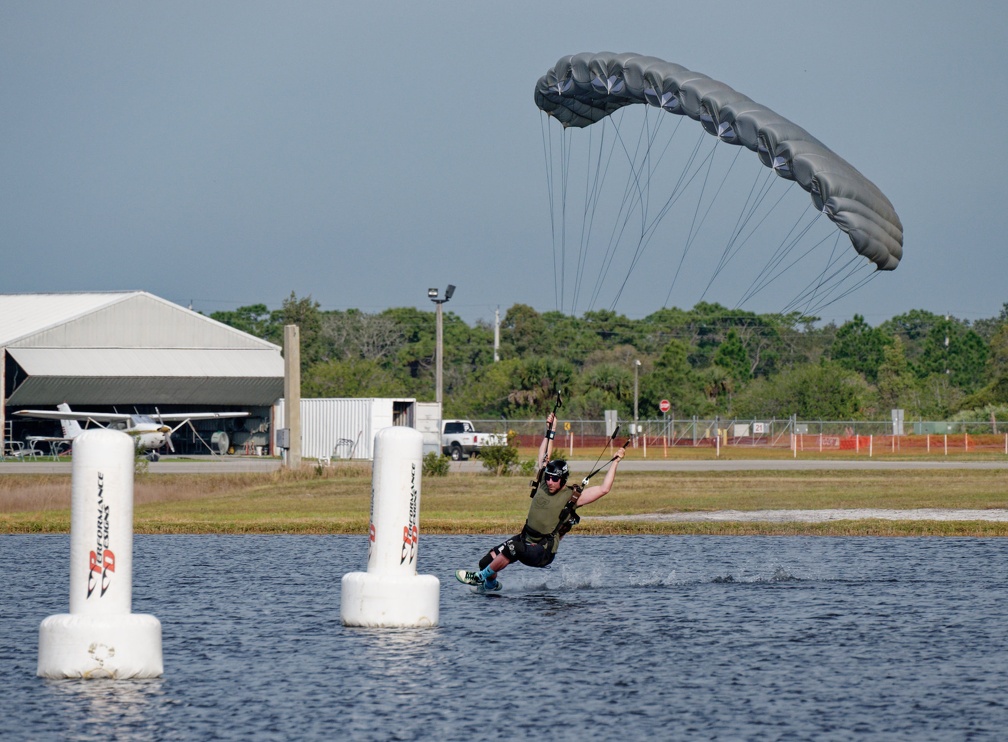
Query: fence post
[665, 435]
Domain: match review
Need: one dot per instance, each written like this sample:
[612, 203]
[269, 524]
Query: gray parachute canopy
[584, 88]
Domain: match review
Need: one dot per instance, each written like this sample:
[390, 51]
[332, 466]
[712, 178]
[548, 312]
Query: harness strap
[529, 531]
[568, 517]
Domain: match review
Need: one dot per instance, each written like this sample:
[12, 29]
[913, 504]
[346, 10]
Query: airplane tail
[71, 428]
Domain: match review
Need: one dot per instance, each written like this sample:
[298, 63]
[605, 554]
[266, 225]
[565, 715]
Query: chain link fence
[791, 434]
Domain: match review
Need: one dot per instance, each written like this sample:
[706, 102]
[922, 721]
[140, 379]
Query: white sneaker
[468, 578]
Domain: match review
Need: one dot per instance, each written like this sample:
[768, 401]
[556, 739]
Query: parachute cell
[582, 89]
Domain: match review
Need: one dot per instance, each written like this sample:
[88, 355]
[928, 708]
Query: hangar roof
[130, 346]
[114, 319]
[26, 314]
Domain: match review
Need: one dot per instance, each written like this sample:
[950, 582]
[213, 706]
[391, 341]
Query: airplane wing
[121, 417]
[183, 416]
[101, 417]
[47, 439]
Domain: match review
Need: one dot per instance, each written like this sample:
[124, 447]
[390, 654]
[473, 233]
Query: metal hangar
[133, 351]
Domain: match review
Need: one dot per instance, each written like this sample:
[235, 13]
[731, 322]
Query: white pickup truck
[460, 440]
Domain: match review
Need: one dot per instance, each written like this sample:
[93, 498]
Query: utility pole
[292, 395]
[497, 335]
[636, 370]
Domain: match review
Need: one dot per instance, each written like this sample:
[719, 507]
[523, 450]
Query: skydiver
[551, 515]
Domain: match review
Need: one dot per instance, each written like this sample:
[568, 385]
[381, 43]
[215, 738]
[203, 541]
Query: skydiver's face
[554, 485]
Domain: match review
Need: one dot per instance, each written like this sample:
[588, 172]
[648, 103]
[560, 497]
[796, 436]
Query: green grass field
[337, 500]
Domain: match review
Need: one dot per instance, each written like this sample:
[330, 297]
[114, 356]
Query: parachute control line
[101, 637]
[391, 593]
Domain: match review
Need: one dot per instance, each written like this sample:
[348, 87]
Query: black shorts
[531, 553]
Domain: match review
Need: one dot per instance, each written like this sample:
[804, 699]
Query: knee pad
[507, 549]
[485, 561]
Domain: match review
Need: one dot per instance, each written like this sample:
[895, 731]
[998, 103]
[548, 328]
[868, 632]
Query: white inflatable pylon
[101, 637]
[391, 593]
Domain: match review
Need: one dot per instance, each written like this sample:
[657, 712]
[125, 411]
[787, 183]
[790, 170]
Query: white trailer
[344, 428]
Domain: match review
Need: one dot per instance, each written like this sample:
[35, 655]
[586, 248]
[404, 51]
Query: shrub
[499, 459]
[435, 464]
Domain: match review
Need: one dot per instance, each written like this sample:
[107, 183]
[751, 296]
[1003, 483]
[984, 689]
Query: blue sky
[230, 153]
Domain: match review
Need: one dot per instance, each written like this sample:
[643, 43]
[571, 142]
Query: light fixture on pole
[432, 294]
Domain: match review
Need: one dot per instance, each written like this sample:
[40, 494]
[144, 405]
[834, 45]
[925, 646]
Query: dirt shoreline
[811, 516]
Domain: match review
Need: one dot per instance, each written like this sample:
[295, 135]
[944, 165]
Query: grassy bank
[338, 501]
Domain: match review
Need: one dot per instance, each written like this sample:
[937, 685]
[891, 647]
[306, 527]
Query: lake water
[624, 637]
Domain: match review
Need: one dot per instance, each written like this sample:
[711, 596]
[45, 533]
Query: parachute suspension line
[560, 190]
[600, 172]
[694, 228]
[682, 256]
[679, 190]
[871, 276]
[597, 167]
[565, 150]
[649, 164]
[832, 278]
[757, 193]
[841, 276]
[587, 219]
[767, 274]
[633, 196]
[560, 184]
[551, 176]
[650, 229]
[821, 280]
[761, 280]
[816, 283]
[710, 205]
[833, 284]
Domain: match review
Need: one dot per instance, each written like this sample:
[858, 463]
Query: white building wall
[343, 428]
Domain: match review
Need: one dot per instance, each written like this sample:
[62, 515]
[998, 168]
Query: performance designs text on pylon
[101, 561]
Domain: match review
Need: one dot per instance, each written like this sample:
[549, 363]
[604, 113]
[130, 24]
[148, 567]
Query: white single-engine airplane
[149, 432]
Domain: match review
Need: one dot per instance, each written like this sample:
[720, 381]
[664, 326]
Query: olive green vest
[544, 512]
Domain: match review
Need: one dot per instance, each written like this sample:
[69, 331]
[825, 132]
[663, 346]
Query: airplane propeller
[167, 430]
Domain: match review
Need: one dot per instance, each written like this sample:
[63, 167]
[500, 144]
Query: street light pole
[432, 294]
[439, 353]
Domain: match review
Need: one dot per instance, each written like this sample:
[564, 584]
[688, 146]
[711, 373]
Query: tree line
[708, 360]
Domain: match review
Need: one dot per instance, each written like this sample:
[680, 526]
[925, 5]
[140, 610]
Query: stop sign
[664, 405]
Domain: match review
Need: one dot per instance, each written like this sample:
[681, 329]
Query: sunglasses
[553, 477]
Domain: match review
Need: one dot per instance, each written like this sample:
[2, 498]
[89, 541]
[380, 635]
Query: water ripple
[634, 637]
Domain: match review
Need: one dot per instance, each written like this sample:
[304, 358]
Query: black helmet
[558, 468]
